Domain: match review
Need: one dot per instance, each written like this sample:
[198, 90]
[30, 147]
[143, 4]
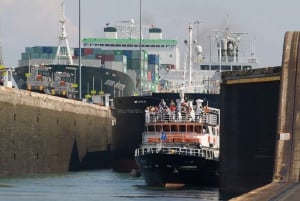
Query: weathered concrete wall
[47, 134]
[287, 166]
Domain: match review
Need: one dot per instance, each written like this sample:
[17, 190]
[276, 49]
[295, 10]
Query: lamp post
[140, 39]
[79, 60]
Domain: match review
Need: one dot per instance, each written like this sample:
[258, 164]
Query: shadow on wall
[93, 159]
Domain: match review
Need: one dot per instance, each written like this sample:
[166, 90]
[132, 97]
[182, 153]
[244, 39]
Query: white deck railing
[209, 154]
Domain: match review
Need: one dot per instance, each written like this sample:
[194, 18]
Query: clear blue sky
[35, 22]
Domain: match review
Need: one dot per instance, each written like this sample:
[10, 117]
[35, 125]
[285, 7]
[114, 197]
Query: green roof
[130, 41]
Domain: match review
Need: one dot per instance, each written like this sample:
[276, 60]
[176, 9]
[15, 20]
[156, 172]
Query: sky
[27, 23]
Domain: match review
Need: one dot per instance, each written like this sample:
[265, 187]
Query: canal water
[99, 185]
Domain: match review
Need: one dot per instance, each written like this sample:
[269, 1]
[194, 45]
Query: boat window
[190, 128]
[166, 128]
[151, 128]
[158, 128]
[182, 128]
[198, 129]
[174, 128]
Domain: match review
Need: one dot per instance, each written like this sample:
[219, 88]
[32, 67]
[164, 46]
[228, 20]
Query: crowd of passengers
[182, 111]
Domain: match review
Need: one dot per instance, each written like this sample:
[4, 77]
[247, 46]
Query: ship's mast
[190, 55]
[63, 41]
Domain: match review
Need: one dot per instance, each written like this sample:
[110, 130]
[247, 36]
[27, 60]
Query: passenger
[172, 110]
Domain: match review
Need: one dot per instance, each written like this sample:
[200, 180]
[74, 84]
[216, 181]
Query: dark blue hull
[96, 78]
[159, 169]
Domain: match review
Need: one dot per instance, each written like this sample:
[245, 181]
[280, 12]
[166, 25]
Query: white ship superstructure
[126, 36]
[201, 72]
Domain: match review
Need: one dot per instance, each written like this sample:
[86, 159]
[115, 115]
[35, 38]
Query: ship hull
[130, 118]
[159, 169]
[92, 78]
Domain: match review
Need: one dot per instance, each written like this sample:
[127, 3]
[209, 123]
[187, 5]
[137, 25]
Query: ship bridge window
[174, 128]
[129, 45]
[152, 45]
[246, 67]
[236, 67]
[215, 67]
[135, 46]
[182, 128]
[204, 67]
[226, 68]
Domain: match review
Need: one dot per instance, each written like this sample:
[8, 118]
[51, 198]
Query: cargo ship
[128, 71]
[180, 144]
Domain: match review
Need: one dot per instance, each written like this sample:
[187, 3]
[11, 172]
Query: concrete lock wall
[47, 134]
[249, 105]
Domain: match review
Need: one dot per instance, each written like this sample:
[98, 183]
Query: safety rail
[209, 154]
[156, 117]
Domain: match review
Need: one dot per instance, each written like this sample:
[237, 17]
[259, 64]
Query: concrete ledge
[276, 191]
[33, 99]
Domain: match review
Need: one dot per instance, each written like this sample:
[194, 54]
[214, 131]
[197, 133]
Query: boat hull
[130, 117]
[160, 169]
[92, 78]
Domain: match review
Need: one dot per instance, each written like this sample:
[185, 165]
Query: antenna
[253, 47]
[190, 29]
[197, 22]
[63, 41]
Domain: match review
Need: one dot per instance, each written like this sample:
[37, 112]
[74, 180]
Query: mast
[63, 41]
[190, 54]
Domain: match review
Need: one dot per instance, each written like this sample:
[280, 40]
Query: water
[98, 185]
